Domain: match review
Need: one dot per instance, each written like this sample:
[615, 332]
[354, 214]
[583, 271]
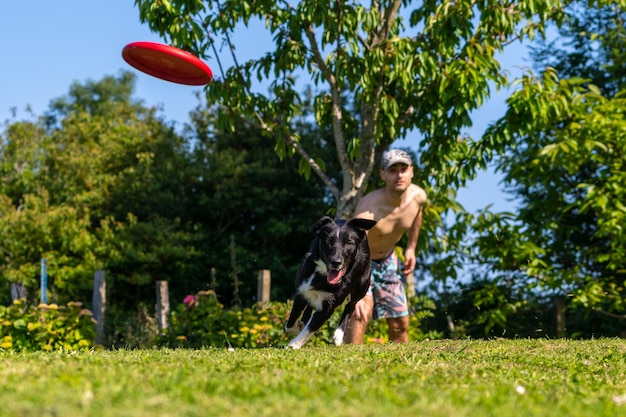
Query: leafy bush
[202, 321]
[46, 327]
[132, 330]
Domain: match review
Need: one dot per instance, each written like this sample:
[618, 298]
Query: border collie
[337, 265]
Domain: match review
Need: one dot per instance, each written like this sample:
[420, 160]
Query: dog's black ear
[362, 224]
[320, 224]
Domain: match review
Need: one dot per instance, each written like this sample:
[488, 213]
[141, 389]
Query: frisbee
[167, 63]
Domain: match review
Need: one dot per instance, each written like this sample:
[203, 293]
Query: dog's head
[338, 243]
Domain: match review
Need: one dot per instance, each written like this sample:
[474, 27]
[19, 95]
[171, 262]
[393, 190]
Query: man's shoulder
[374, 195]
[369, 203]
[418, 193]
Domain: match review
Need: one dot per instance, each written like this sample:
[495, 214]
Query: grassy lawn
[436, 378]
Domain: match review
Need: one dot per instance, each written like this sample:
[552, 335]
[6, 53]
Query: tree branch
[337, 117]
[606, 313]
[295, 144]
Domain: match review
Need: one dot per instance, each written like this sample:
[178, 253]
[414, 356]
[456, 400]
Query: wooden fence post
[163, 305]
[17, 291]
[99, 303]
[559, 305]
[265, 284]
[453, 333]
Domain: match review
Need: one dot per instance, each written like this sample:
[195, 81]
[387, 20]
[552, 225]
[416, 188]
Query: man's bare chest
[398, 220]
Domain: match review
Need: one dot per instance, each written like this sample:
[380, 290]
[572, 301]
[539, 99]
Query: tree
[588, 46]
[101, 182]
[381, 72]
[567, 169]
[243, 192]
[94, 184]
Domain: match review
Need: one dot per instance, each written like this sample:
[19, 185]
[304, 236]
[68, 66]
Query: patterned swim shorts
[387, 289]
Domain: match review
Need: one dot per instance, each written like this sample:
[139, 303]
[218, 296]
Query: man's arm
[409, 252]
[414, 231]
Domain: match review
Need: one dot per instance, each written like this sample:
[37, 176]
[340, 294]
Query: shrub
[138, 330]
[46, 327]
[202, 321]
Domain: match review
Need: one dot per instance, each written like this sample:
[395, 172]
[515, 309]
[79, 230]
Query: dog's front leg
[293, 325]
[340, 331]
[319, 318]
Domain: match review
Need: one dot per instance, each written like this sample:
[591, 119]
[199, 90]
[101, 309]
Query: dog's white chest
[315, 297]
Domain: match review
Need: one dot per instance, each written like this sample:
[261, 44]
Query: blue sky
[47, 45]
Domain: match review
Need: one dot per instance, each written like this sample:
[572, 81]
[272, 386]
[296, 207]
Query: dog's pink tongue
[334, 277]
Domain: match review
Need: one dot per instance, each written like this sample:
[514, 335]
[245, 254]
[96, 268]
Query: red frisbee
[167, 63]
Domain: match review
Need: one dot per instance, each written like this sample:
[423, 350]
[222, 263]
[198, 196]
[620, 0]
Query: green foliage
[588, 46]
[101, 182]
[244, 191]
[46, 327]
[378, 73]
[202, 321]
[95, 184]
[567, 168]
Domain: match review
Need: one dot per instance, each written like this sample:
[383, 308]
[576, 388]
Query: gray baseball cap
[395, 156]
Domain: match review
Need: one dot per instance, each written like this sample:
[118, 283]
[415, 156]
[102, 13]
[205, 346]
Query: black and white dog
[337, 265]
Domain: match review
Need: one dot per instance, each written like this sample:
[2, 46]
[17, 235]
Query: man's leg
[355, 332]
[398, 329]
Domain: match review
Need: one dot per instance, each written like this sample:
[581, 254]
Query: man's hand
[409, 261]
[363, 308]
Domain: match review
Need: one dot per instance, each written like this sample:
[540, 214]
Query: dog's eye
[348, 242]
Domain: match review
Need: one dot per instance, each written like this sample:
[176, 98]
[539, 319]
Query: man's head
[395, 156]
[397, 170]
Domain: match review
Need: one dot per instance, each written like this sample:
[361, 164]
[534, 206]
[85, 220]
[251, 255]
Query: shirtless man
[397, 208]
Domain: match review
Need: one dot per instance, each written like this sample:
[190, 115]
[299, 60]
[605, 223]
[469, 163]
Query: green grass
[436, 378]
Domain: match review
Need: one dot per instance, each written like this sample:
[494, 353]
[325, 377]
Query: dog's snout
[335, 263]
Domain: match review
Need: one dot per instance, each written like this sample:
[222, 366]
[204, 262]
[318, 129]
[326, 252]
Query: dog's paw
[338, 337]
[296, 329]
